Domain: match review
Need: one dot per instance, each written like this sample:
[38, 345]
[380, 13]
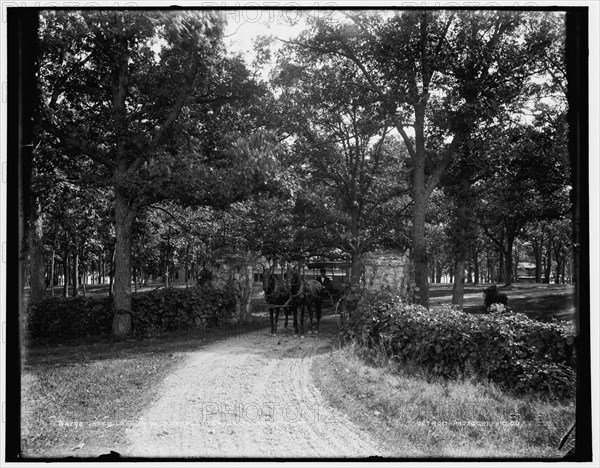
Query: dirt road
[250, 395]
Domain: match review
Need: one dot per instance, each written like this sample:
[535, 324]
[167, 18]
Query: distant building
[526, 272]
[179, 276]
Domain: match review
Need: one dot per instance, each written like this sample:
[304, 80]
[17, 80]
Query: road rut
[250, 395]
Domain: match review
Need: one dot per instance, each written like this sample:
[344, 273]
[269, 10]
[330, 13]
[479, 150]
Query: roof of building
[329, 264]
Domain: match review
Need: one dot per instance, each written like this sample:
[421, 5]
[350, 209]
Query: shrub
[62, 318]
[510, 349]
[172, 308]
[154, 311]
[498, 308]
[491, 295]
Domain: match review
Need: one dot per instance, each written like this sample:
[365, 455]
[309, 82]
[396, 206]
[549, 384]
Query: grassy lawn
[538, 301]
[416, 415]
[72, 394]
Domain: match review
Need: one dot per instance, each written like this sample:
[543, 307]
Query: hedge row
[60, 318]
[154, 311]
[175, 308]
[512, 350]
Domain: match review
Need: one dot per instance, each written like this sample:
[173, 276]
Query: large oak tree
[352, 171]
[438, 75]
[149, 99]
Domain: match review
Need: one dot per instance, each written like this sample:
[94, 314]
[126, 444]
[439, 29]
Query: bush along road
[250, 394]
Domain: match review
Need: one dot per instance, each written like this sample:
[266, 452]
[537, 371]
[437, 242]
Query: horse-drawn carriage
[294, 291]
[338, 272]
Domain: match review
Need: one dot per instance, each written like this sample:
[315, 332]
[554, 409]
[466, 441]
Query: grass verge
[77, 398]
[416, 415]
[538, 301]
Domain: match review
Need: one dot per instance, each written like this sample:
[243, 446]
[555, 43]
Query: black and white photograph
[287, 233]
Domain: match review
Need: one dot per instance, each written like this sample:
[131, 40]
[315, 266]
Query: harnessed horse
[304, 295]
[277, 295]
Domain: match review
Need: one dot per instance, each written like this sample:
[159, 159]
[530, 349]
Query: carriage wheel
[341, 309]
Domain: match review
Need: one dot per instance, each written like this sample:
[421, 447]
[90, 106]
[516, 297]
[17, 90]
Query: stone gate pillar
[233, 272]
[389, 270]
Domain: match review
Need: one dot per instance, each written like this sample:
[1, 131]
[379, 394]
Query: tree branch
[493, 239]
[70, 141]
[154, 207]
[407, 141]
[172, 117]
[438, 48]
[57, 88]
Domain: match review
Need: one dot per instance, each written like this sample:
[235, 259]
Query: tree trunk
[355, 269]
[37, 268]
[458, 290]
[92, 269]
[66, 273]
[475, 266]
[470, 273]
[548, 261]
[509, 261]
[500, 266]
[111, 273]
[52, 271]
[438, 272]
[515, 272]
[469, 265]
[75, 272]
[124, 210]
[537, 252]
[420, 196]
[461, 248]
[419, 248]
[103, 267]
[84, 280]
[166, 273]
[124, 216]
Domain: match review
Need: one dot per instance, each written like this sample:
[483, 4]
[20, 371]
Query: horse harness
[279, 283]
[301, 290]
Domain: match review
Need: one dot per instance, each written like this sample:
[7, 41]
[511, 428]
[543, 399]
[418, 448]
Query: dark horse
[305, 295]
[277, 295]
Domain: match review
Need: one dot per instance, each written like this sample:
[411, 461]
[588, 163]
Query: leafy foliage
[155, 311]
[149, 108]
[172, 308]
[491, 295]
[518, 353]
[444, 74]
[152, 105]
[65, 318]
[352, 171]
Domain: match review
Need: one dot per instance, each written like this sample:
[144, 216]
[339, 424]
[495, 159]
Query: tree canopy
[439, 131]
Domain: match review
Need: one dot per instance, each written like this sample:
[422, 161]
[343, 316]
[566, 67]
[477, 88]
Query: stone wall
[234, 272]
[389, 269]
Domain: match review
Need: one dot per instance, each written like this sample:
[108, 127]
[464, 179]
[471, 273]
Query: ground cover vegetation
[153, 312]
[517, 353]
[419, 414]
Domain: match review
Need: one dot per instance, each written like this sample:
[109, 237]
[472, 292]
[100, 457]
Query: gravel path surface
[250, 395]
